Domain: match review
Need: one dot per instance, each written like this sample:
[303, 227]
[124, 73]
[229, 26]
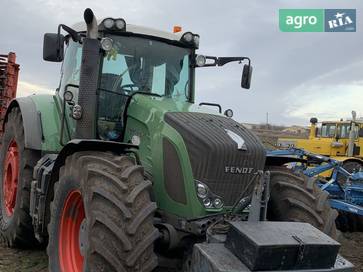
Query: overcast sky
[296, 75]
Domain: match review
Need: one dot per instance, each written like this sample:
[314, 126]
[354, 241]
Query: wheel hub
[72, 233]
[10, 178]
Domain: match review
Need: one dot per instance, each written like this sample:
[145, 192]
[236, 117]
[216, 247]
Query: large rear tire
[295, 197]
[101, 216]
[16, 169]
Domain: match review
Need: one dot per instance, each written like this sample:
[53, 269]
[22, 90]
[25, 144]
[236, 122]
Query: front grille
[211, 149]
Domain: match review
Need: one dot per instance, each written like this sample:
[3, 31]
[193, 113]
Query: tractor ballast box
[281, 246]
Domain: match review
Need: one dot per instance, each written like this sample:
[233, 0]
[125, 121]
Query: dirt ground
[14, 260]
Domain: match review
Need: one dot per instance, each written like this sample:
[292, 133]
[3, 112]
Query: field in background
[270, 133]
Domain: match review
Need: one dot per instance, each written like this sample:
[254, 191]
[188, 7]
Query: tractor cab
[338, 135]
[131, 60]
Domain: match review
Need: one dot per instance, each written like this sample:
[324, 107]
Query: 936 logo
[317, 20]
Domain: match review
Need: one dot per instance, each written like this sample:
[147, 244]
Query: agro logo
[317, 20]
[340, 20]
[298, 22]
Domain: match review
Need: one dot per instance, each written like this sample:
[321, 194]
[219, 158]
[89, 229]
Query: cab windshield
[144, 65]
[137, 64]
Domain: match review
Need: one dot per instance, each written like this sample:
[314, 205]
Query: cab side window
[71, 68]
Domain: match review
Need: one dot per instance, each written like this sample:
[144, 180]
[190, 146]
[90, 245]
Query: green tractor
[119, 170]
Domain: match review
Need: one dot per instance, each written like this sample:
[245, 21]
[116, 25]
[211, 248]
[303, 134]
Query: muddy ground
[12, 260]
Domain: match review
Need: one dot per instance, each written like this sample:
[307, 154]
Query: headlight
[68, 96]
[207, 203]
[188, 37]
[202, 190]
[218, 203]
[77, 112]
[135, 140]
[108, 23]
[206, 197]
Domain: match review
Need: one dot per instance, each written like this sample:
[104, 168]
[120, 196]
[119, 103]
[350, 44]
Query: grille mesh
[211, 149]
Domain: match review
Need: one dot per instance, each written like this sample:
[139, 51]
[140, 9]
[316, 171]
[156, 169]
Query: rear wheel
[295, 197]
[16, 167]
[101, 216]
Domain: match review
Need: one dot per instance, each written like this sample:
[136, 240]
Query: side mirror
[53, 47]
[246, 76]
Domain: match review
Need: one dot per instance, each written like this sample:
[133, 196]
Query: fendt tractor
[340, 140]
[119, 170]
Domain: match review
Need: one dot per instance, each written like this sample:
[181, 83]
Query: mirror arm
[74, 35]
[224, 60]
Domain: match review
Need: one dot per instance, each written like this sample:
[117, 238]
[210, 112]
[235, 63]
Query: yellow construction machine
[341, 140]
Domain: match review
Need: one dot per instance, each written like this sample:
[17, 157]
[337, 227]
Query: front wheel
[295, 197]
[16, 168]
[101, 216]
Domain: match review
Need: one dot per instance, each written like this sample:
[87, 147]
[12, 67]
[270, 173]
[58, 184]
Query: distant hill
[269, 134]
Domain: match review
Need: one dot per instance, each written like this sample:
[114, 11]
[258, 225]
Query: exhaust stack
[87, 98]
[313, 122]
[352, 135]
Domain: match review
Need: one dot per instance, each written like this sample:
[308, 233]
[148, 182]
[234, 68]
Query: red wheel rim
[10, 179]
[70, 257]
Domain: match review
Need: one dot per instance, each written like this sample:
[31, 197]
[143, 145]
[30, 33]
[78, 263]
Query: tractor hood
[219, 152]
[223, 154]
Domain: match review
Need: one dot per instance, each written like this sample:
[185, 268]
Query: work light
[188, 37]
[120, 24]
[191, 39]
[196, 40]
[113, 24]
[106, 44]
[200, 60]
[108, 23]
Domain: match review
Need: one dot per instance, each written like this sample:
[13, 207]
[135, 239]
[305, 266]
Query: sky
[296, 75]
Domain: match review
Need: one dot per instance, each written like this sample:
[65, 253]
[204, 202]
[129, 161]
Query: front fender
[41, 121]
[33, 132]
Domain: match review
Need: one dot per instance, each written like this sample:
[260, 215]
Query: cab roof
[81, 27]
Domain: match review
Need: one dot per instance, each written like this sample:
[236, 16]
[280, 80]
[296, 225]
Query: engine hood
[223, 153]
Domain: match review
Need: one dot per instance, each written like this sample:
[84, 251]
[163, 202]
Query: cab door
[70, 74]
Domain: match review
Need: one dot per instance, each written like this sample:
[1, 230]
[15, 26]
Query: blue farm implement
[345, 189]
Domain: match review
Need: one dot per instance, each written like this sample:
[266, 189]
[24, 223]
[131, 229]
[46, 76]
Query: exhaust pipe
[313, 122]
[350, 152]
[91, 22]
[86, 108]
